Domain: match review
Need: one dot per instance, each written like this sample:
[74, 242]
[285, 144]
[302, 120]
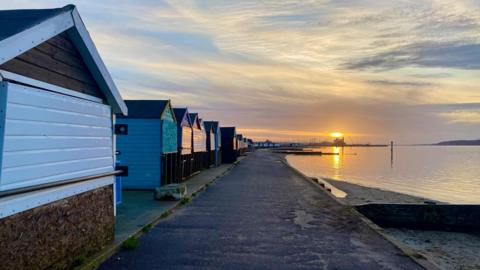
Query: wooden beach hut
[57, 174]
[240, 145]
[213, 142]
[229, 142]
[209, 159]
[148, 148]
[198, 142]
[184, 143]
[251, 145]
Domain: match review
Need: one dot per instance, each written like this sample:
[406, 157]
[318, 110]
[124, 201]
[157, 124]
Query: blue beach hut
[148, 144]
[229, 144]
[184, 143]
[213, 142]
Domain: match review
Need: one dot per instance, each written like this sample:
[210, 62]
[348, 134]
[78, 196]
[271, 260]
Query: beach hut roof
[182, 114]
[213, 125]
[147, 108]
[25, 29]
[208, 128]
[195, 120]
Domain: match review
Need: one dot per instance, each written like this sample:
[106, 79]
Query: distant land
[460, 142]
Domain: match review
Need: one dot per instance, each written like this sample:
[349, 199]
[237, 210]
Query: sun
[336, 134]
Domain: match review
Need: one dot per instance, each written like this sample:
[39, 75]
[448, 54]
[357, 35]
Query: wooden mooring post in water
[391, 153]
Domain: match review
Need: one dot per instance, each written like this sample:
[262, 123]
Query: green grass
[80, 260]
[185, 200]
[130, 244]
[166, 214]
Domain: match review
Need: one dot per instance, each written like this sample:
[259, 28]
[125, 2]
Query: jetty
[305, 153]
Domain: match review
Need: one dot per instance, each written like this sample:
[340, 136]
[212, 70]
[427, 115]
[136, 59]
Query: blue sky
[294, 70]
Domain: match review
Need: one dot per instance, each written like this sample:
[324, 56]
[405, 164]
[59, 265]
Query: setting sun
[336, 134]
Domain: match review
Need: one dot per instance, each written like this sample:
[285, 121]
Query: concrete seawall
[445, 217]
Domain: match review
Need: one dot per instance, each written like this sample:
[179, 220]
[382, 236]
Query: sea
[444, 173]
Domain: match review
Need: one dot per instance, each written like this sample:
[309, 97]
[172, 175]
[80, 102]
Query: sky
[407, 71]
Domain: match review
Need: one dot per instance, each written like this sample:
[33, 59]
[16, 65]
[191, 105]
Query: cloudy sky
[407, 71]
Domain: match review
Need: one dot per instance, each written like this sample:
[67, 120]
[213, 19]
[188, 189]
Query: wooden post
[391, 154]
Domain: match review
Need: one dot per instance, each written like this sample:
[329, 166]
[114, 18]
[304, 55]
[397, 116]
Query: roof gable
[182, 116]
[195, 120]
[147, 108]
[212, 125]
[23, 30]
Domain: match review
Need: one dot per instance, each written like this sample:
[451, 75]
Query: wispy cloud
[398, 83]
[430, 54]
[297, 69]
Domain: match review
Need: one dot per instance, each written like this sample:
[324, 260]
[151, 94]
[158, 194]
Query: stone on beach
[171, 191]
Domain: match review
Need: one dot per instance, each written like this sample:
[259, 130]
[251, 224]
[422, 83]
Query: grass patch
[185, 200]
[131, 243]
[166, 214]
[80, 260]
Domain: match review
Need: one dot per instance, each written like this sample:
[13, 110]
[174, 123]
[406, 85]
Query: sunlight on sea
[445, 173]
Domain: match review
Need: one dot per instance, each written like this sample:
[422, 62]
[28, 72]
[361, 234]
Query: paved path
[262, 216]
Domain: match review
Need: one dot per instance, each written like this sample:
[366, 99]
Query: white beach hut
[57, 156]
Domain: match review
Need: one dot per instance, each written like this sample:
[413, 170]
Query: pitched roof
[195, 120]
[211, 125]
[146, 108]
[180, 113]
[22, 30]
[16, 21]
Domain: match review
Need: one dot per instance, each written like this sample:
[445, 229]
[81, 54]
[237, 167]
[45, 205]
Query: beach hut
[57, 174]
[213, 142]
[149, 147]
[198, 142]
[184, 143]
[209, 160]
[251, 145]
[240, 144]
[229, 142]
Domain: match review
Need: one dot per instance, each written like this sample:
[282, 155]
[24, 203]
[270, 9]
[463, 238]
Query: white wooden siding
[52, 137]
[186, 140]
[199, 140]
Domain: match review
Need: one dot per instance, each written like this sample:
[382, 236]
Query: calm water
[445, 173]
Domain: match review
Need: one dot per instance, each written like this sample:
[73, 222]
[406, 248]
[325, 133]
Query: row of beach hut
[66, 135]
[159, 145]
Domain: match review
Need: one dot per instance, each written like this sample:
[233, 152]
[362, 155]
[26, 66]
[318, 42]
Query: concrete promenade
[262, 215]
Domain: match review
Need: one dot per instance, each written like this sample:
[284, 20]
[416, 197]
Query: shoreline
[445, 250]
[357, 194]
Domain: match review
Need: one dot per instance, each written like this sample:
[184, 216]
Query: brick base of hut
[59, 235]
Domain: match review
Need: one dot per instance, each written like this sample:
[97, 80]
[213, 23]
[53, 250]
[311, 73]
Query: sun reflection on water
[336, 162]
